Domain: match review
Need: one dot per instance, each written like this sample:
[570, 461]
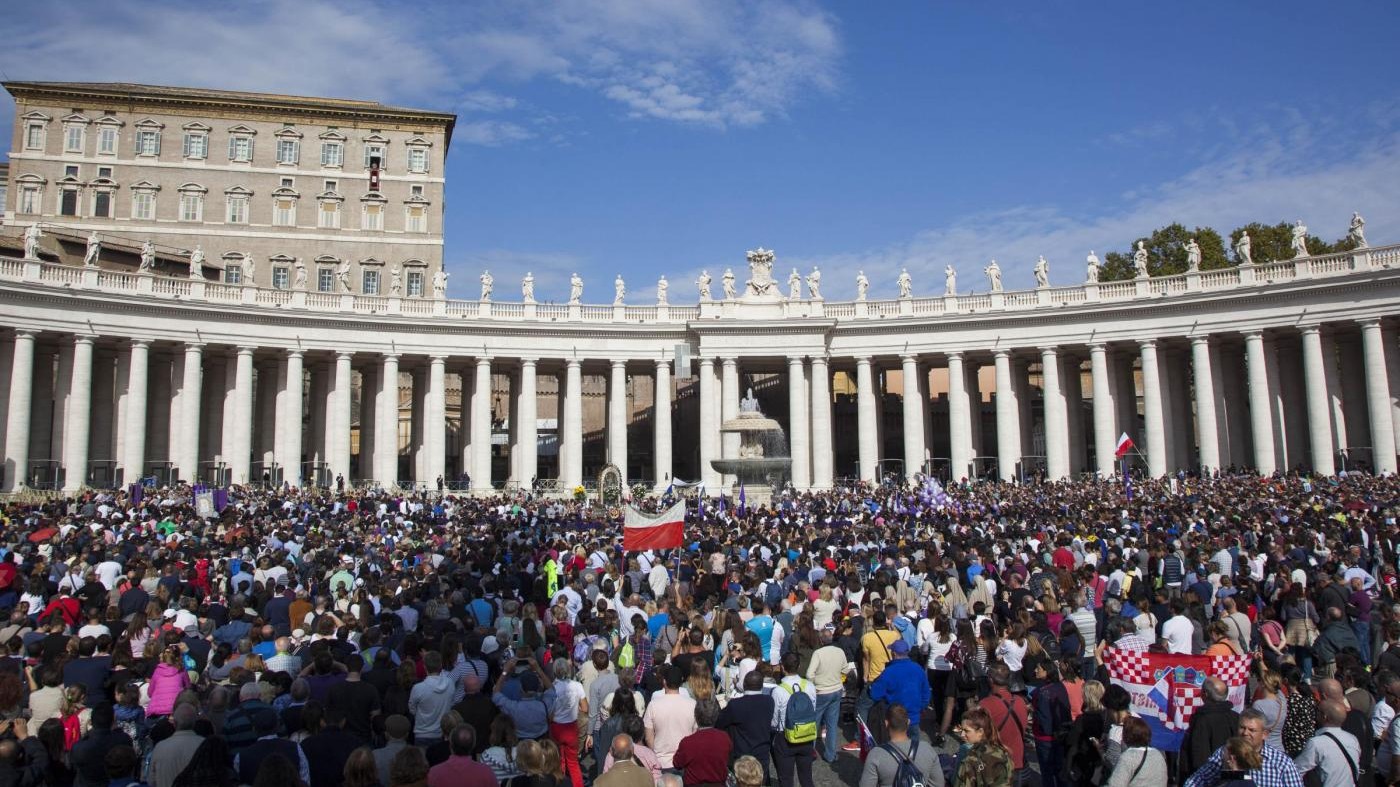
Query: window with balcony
[281, 277]
[373, 217]
[377, 150]
[233, 273]
[284, 212]
[414, 284]
[102, 204]
[325, 279]
[30, 198]
[68, 201]
[237, 209]
[143, 205]
[191, 206]
[329, 216]
[415, 218]
[369, 282]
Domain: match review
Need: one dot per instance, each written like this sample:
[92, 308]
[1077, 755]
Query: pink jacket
[166, 684]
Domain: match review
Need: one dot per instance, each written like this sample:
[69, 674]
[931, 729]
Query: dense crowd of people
[364, 638]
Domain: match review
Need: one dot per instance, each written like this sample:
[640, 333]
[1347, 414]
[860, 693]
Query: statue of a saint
[527, 287]
[342, 275]
[1042, 272]
[575, 290]
[1092, 268]
[993, 271]
[728, 280]
[1140, 261]
[395, 282]
[440, 283]
[1193, 256]
[814, 284]
[31, 242]
[488, 283]
[619, 290]
[862, 285]
[197, 263]
[950, 281]
[94, 248]
[300, 274]
[1357, 232]
[794, 285]
[906, 284]
[703, 283]
[661, 289]
[148, 256]
[1244, 249]
[1300, 239]
[250, 272]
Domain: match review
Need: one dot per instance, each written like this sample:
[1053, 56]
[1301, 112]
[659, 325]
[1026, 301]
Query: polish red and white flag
[1125, 444]
[642, 531]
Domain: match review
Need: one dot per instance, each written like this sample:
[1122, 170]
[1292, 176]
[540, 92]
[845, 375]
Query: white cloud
[490, 133]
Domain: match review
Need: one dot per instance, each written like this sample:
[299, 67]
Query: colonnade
[108, 408]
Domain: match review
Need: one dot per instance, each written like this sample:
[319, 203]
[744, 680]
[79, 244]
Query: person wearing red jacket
[65, 605]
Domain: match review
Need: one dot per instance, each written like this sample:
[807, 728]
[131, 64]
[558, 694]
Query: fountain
[763, 462]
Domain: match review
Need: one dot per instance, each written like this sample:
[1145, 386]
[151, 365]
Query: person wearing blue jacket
[902, 683]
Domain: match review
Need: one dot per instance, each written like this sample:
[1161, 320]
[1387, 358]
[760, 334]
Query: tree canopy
[1166, 249]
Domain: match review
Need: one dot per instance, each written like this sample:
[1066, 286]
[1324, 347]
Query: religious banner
[642, 531]
[1166, 688]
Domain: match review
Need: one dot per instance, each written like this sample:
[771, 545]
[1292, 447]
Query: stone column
[1008, 419]
[913, 400]
[464, 423]
[1153, 418]
[367, 446]
[481, 427]
[571, 427]
[1336, 397]
[1319, 412]
[265, 417]
[709, 427]
[799, 445]
[959, 420]
[17, 419]
[1072, 387]
[865, 421]
[435, 421]
[61, 396]
[529, 424]
[661, 425]
[1207, 434]
[340, 419]
[290, 426]
[242, 451]
[822, 471]
[386, 423]
[103, 408]
[316, 433]
[617, 417]
[76, 435]
[418, 410]
[1378, 397]
[729, 408]
[1056, 423]
[188, 461]
[1261, 419]
[133, 457]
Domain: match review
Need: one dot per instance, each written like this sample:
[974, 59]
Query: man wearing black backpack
[903, 761]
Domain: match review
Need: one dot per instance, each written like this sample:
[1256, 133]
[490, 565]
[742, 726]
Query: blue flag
[743, 502]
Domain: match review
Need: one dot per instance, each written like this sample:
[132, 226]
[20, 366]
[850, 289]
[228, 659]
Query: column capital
[1312, 329]
[438, 358]
[1049, 352]
[1369, 322]
[618, 363]
[796, 359]
[706, 361]
[27, 333]
[1001, 353]
[576, 363]
[82, 338]
[862, 360]
[727, 362]
[246, 350]
[908, 358]
[1147, 344]
[527, 363]
[344, 356]
[955, 355]
[483, 360]
[194, 346]
[660, 362]
[144, 343]
[819, 359]
[1197, 341]
[1254, 333]
[295, 352]
[1098, 347]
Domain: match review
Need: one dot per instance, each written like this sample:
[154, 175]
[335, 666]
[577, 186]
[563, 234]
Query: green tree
[1166, 253]
[1274, 243]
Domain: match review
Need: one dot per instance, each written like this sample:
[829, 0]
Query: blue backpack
[800, 719]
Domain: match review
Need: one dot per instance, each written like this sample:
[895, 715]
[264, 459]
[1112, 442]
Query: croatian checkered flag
[1166, 688]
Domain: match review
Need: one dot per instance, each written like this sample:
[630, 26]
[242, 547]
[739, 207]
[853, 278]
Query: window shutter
[157, 133]
[187, 146]
[250, 148]
[232, 148]
[296, 151]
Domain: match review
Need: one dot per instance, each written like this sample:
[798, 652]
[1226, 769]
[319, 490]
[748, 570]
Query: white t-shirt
[1178, 631]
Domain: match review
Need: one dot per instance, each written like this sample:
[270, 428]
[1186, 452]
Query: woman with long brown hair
[986, 762]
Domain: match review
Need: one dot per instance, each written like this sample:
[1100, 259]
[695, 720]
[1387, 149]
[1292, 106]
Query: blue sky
[644, 137]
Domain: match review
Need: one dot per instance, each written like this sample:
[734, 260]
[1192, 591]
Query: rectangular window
[281, 278]
[418, 160]
[196, 145]
[34, 136]
[415, 284]
[73, 136]
[332, 154]
[104, 172]
[325, 280]
[143, 205]
[287, 150]
[107, 140]
[233, 273]
[29, 199]
[374, 217]
[330, 186]
[415, 190]
[191, 207]
[102, 205]
[237, 210]
[4, 197]
[284, 212]
[416, 220]
[376, 151]
[70, 171]
[288, 183]
[148, 143]
[68, 202]
[370, 283]
[240, 148]
[329, 215]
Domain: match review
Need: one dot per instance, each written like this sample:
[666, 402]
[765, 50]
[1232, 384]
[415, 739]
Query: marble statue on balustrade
[440, 283]
[1243, 249]
[619, 290]
[906, 284]
[395, 282]
[703, 284]
[1042, 272]
[1092, 268]
[761, 283]
[250, 272]
[1300, 239]
[342, 275]
[661, 289]
[993, 272]
[1140, 261]
[950, 281]
[148, 257]
[93, 250]
[862, 286]
[527, 287]
[728, 281]
[488, 283]
[197, 264]
[300, 274]
[1193, 256]
[814, 284]
[575, 289]
[1357, 232]
[794, 285]
[31, 242]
